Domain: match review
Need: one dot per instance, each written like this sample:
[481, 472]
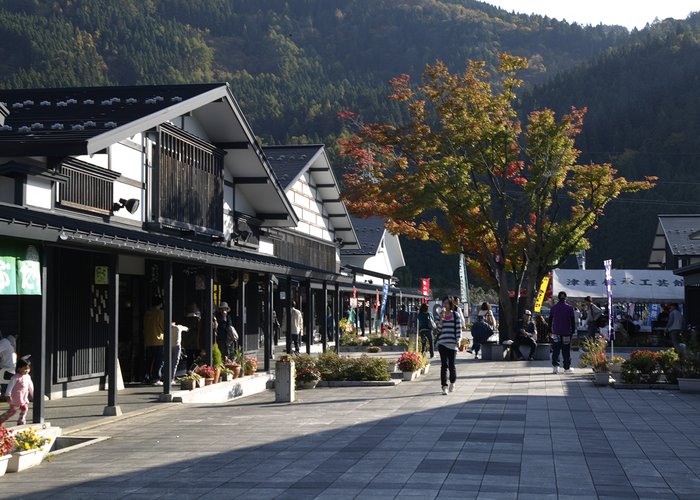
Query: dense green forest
[294, 64]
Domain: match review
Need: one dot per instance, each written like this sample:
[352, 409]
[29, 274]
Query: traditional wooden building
[324, 227]
[113, 196]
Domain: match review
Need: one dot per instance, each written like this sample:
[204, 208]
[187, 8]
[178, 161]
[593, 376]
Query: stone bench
[497, 352]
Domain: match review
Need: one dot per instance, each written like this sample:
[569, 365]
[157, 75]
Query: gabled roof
[290, 162]
[682, 233]
[370, 232]
[86, 120]
[42, 225]
[71, 120]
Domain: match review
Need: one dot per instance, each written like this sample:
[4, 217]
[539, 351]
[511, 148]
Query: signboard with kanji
[637, 285]
[20, 271]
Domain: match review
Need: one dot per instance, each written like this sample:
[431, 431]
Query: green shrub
[402, 341]
[376, 340]
[366, 368]
[374, 348]
[332, 366]
[666, 361]
[216, 358]
[352, 340]
[303, 360]
[641, 368]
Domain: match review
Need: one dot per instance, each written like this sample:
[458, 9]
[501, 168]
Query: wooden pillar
[112, 408]
[288, 317]
[324, 322]
[309, 320]
[40, 375]
[208, 313]
[337, 314]
[267, 327]
[167, 321]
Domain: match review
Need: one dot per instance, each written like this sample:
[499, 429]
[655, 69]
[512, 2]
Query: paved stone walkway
[510, 430]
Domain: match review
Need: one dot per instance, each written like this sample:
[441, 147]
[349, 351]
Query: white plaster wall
[7, 190]
[128, 191]
[266, 247]
[192, 126]
[303, 196]
[37, 193]
[99, 160]
[127, 161]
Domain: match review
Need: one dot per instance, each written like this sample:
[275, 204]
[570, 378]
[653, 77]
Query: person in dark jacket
[562, 321]
[525, 335]
[426, 324]
[481, 331]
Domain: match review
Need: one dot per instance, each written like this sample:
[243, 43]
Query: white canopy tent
[638, 285]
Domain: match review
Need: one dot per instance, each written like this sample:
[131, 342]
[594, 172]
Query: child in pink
[20, 390]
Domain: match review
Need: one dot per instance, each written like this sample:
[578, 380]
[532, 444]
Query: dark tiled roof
[289, 161]
[682, 233]
[47, 226]
[369, 233]
[61, 120]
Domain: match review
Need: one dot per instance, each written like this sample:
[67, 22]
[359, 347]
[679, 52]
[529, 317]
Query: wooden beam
[232, 145]
[251, 180]
[326, 185]
[281, 216]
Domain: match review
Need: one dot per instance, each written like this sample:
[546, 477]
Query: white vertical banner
[608, 288]
[463, 284]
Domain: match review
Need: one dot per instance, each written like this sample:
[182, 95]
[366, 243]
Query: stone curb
[359, 383]
[667, 387]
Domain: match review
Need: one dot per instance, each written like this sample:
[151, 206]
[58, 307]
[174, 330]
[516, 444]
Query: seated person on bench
[526, 335]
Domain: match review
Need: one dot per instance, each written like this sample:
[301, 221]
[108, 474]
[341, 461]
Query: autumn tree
[464, 171]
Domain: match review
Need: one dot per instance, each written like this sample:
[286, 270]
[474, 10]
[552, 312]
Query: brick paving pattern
[510, 430]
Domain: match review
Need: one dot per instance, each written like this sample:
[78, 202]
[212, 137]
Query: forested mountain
[294, 64]
[643, 103]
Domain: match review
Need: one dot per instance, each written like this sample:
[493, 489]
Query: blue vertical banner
[608, 287]
[385, 296]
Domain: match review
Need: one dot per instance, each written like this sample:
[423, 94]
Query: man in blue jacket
[562, 321]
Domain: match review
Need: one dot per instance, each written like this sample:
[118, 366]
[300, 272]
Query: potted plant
[234, 367]
[410, 364]
[667, 359]
[615, 365]
[28, 450]
[595, 357]
[463, 344]
[7, 444]
[307, 378]
[207, 373]
[216, 361]
[687, 371]
[226, 374]
[250, 365]
[190, 381]
[641, 368]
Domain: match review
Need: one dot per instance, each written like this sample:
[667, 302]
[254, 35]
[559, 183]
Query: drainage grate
[63, 444]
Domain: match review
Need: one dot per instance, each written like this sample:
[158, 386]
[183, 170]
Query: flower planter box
[691, 385]
[308, 385]
[4, 461]
[410, 376]
[601, 378]
[22, 460]
[188, 385]
[425, 369]
[208, 381]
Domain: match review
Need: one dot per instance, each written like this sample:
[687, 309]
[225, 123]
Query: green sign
[20, 271]
[8, 275]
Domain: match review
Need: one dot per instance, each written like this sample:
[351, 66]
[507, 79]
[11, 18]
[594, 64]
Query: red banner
[425, 286]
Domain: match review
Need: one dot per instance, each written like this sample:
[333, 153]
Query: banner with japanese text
[637, 285]
[20, 271]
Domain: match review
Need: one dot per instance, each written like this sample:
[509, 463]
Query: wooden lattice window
[88, 188]
[190, 180]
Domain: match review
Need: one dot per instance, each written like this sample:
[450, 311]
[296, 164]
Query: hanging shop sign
[20, 271]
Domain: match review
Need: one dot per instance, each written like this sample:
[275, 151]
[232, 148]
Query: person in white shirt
[8, 360]
[297, 326]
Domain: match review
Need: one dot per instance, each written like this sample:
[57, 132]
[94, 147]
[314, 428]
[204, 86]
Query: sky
[628, 13]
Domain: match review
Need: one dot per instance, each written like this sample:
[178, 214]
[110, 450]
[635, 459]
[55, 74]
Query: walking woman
[448, 342]
[426, 324]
